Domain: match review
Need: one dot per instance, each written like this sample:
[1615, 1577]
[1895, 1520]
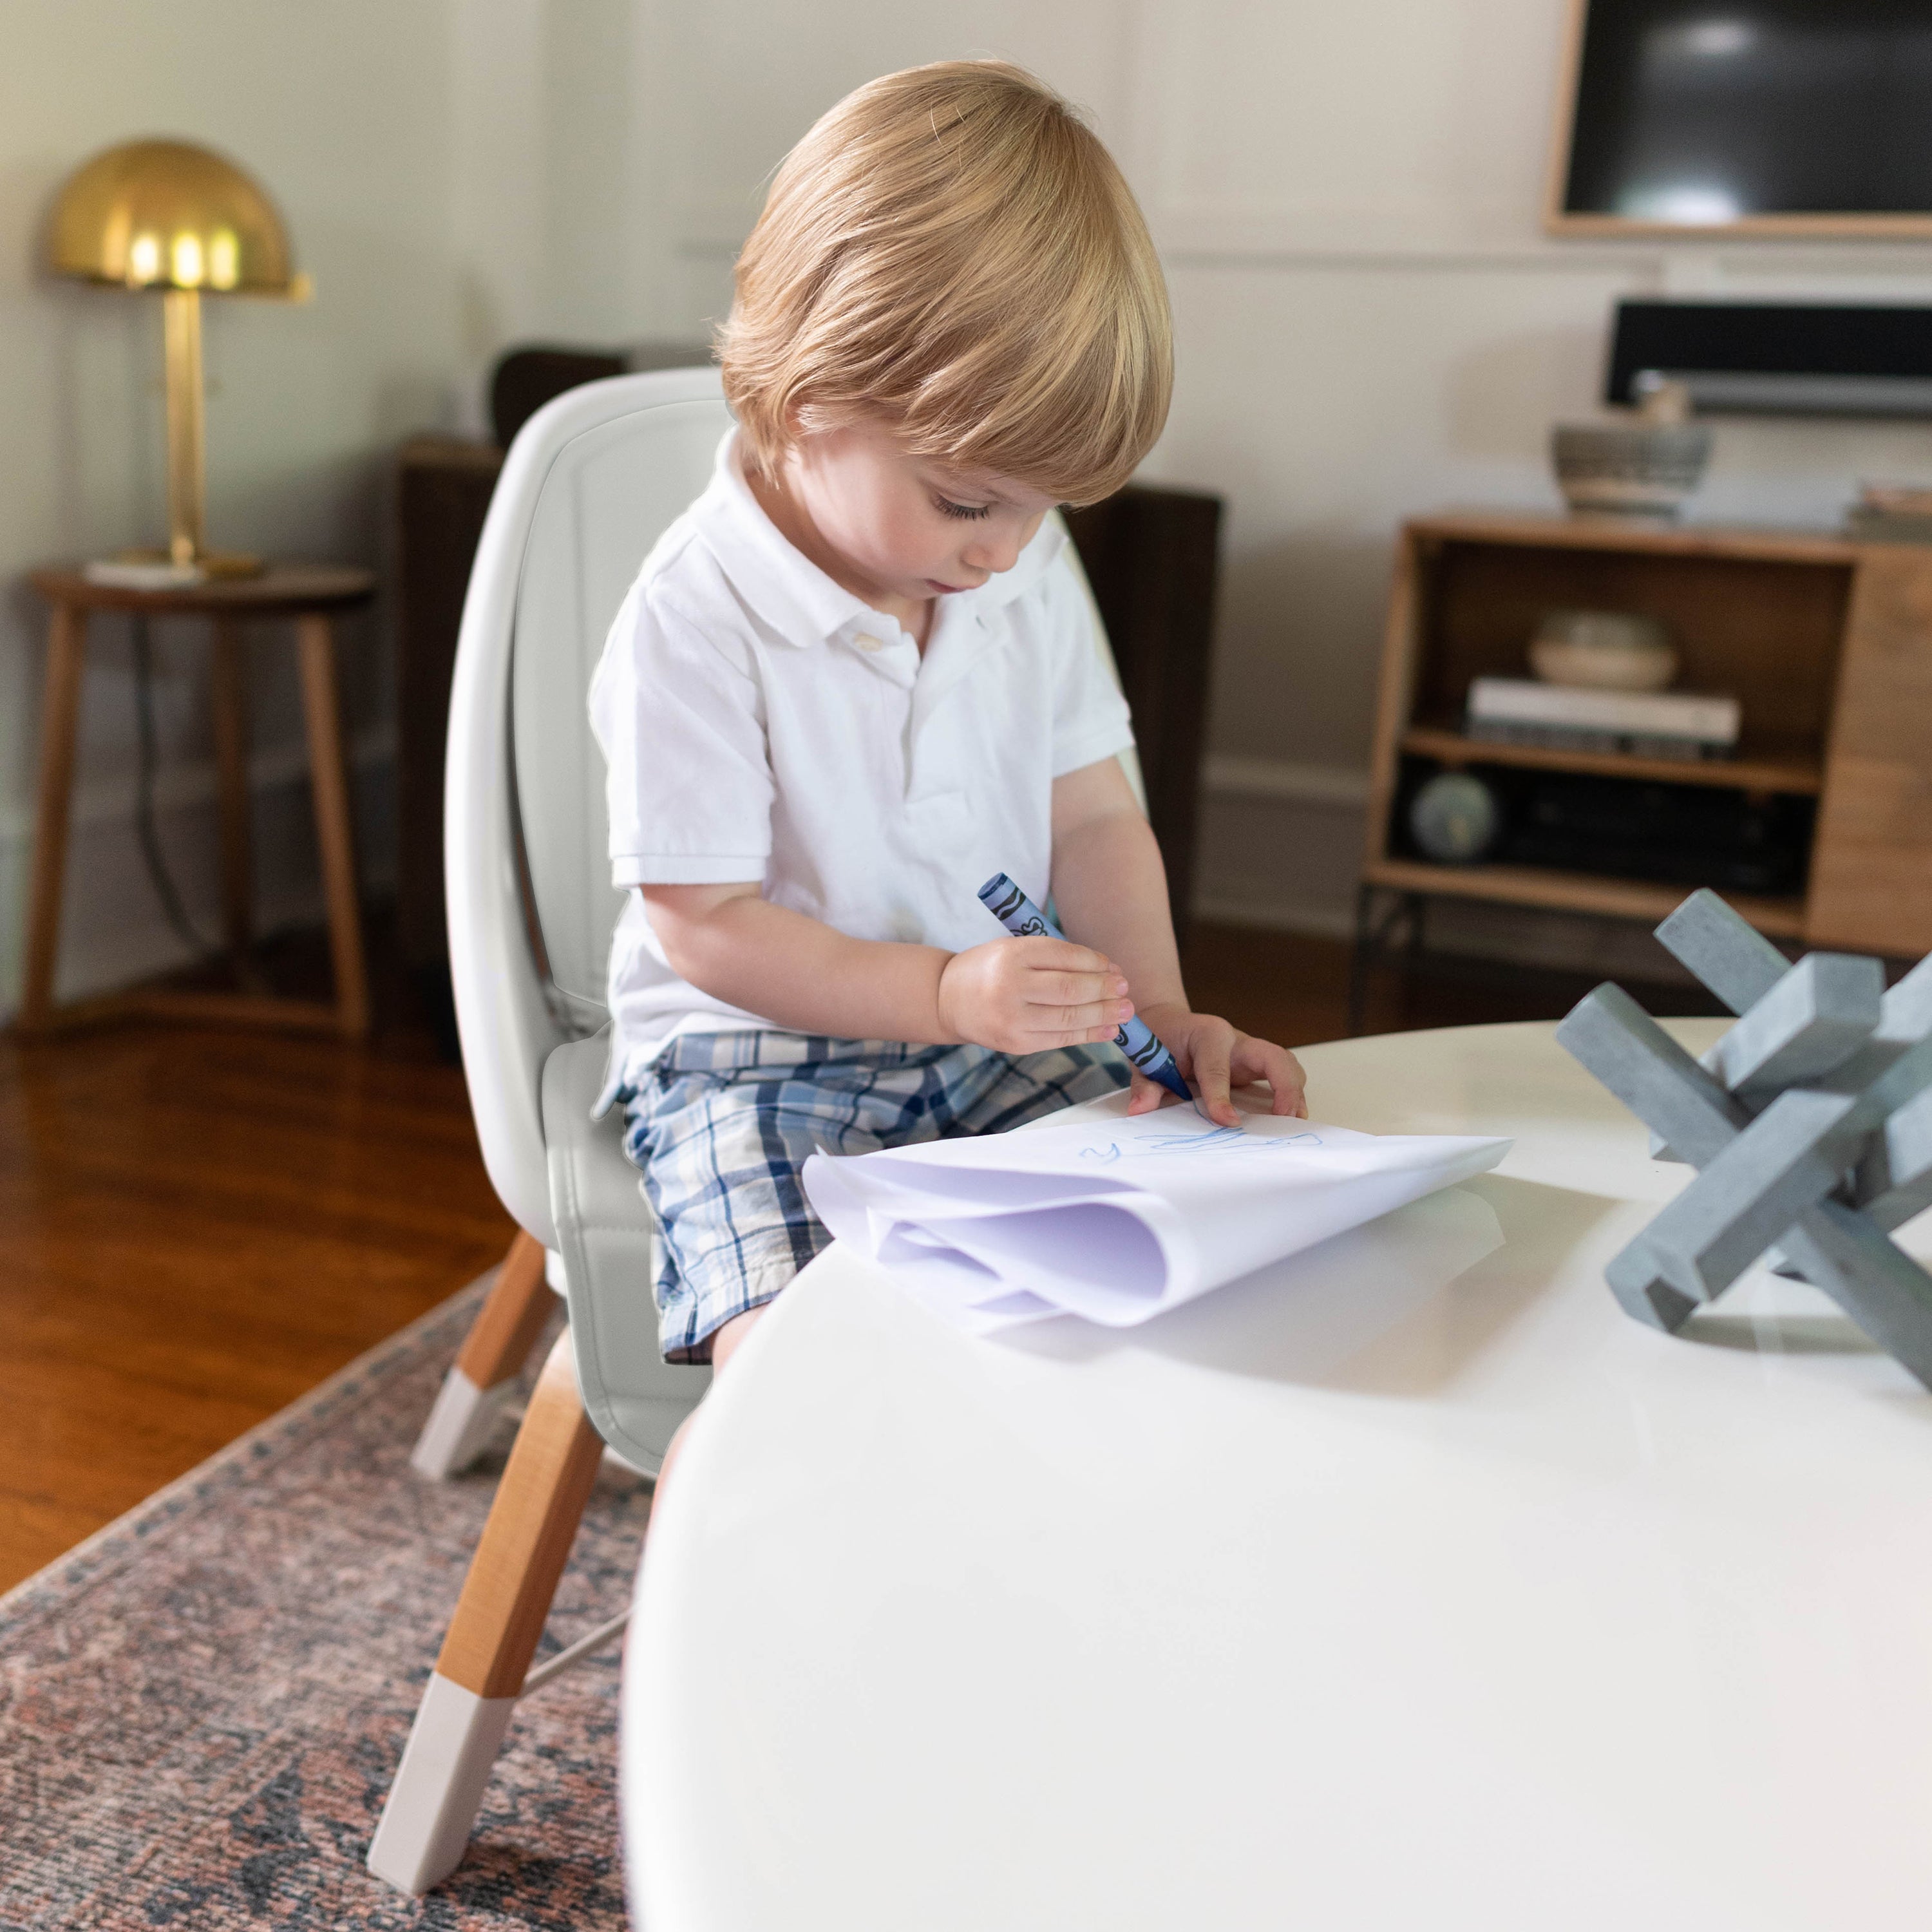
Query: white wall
[1370, 323]
[342, 112]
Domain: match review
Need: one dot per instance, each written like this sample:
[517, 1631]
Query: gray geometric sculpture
[1810, 1123]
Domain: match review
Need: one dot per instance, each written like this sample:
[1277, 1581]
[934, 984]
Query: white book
[1656, 714]
[123, 573]
[1119, 1218]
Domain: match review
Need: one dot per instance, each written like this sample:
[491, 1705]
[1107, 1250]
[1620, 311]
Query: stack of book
[1891, 513]
[1572, 718]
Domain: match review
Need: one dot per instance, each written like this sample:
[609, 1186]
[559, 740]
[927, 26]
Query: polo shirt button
[868, 644]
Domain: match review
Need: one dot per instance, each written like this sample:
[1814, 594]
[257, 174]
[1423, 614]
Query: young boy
[858, 677]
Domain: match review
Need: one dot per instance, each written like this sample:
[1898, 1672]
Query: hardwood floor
[200, 1225]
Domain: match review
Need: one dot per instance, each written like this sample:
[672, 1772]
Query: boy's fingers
[1108, 1013]
[1146, 1094]
[1074, 989]
[1062, 955]
[1262, 1060]
[1210, 1070]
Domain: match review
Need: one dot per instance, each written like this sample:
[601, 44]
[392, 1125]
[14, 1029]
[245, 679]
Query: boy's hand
[1212, 1055]
[1025, 995]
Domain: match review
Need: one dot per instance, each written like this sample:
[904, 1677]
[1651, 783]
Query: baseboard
[1280, 844]
[1231, 774]
[112, 930]
[1310, 921]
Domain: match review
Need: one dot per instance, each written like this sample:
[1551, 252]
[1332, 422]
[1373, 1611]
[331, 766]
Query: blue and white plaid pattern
[723, 1122]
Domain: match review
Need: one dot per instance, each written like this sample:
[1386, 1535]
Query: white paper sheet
[1116, 1220]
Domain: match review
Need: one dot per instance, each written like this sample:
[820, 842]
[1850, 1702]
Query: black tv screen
[1704, 113]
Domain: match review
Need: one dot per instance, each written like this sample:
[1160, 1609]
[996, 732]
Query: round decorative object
[1603, 650]
[1632, 469]
[1455, 818]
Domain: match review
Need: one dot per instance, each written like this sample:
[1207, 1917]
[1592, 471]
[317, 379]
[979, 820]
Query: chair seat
[608, 1240]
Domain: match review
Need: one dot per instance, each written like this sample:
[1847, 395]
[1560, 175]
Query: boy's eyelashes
[947, 507]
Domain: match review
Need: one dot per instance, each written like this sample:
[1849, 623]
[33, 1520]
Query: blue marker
[1025, 920]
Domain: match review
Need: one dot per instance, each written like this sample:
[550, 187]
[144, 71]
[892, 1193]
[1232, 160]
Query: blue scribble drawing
[1221, 1140]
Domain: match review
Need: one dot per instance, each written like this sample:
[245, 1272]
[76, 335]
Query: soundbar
[1778, 358]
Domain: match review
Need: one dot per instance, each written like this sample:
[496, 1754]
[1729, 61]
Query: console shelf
[1575, 891]
[1828, 643]
[1761, 769]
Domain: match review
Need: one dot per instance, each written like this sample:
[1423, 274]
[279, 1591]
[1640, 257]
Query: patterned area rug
[201, 1708]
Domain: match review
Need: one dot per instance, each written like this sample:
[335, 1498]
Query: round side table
[313, 595]
[1409, 1584]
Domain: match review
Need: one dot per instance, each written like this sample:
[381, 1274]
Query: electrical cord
[147, 760]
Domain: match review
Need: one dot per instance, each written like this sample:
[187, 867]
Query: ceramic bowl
[1629, 469]
[1603, 650]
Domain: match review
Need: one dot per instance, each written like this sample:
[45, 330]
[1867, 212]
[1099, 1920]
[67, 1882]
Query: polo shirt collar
[793, 596]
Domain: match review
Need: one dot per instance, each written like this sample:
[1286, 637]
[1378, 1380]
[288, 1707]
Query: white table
[1415, 1587]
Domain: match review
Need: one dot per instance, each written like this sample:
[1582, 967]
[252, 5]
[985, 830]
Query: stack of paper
[1119, 1218]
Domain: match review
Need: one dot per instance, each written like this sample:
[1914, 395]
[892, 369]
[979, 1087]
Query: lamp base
[153, 569]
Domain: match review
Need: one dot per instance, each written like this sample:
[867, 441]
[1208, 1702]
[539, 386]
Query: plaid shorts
[722, 1123]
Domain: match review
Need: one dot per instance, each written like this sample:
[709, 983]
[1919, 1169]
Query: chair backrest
[592, 481]
[610, 493]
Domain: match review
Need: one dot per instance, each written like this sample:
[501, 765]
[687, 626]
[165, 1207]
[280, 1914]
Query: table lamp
[169, 216]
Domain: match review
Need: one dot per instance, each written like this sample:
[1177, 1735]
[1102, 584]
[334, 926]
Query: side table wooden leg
[60, 715]
[329, 774]
[229, 688]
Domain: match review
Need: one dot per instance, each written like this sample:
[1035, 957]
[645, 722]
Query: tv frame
[1557, 220]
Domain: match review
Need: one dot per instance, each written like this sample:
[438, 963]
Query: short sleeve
[1090, 719]
[679, 712]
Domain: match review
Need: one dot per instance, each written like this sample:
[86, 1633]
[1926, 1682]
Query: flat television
[1773, 117]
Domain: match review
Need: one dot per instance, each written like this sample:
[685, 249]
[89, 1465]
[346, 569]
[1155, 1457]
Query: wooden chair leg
[500, 1617]
[67, 651]
[230, 689]
[329, 773]
[482, 1382]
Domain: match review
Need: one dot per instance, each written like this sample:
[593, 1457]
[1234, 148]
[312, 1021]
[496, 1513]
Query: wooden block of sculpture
[1810, 1125]
[1811, 1022]
[1728, 954]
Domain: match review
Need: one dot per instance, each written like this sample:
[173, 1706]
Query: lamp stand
[187, 445]
[187, 428]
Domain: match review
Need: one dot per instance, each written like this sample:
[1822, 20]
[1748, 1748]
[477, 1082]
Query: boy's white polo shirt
[758, 722]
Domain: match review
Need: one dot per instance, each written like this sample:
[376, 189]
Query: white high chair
[592, 481]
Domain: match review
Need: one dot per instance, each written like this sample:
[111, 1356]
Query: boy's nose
[991, 553]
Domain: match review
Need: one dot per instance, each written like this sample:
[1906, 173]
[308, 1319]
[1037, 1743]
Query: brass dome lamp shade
[171, 216]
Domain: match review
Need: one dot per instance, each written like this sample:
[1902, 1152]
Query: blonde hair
[953, 249]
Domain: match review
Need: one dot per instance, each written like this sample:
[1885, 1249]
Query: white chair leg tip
[462, 1422]
[432, 1806]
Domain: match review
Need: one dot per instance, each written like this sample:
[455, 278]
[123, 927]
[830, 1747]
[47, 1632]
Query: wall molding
[1308, 922]
[1314, 801]
[178, 787]
[1282, 781]
[98, 954]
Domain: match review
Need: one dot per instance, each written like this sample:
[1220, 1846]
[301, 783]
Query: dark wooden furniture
[312, 595]
[1153, 556]
[1827, 643]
